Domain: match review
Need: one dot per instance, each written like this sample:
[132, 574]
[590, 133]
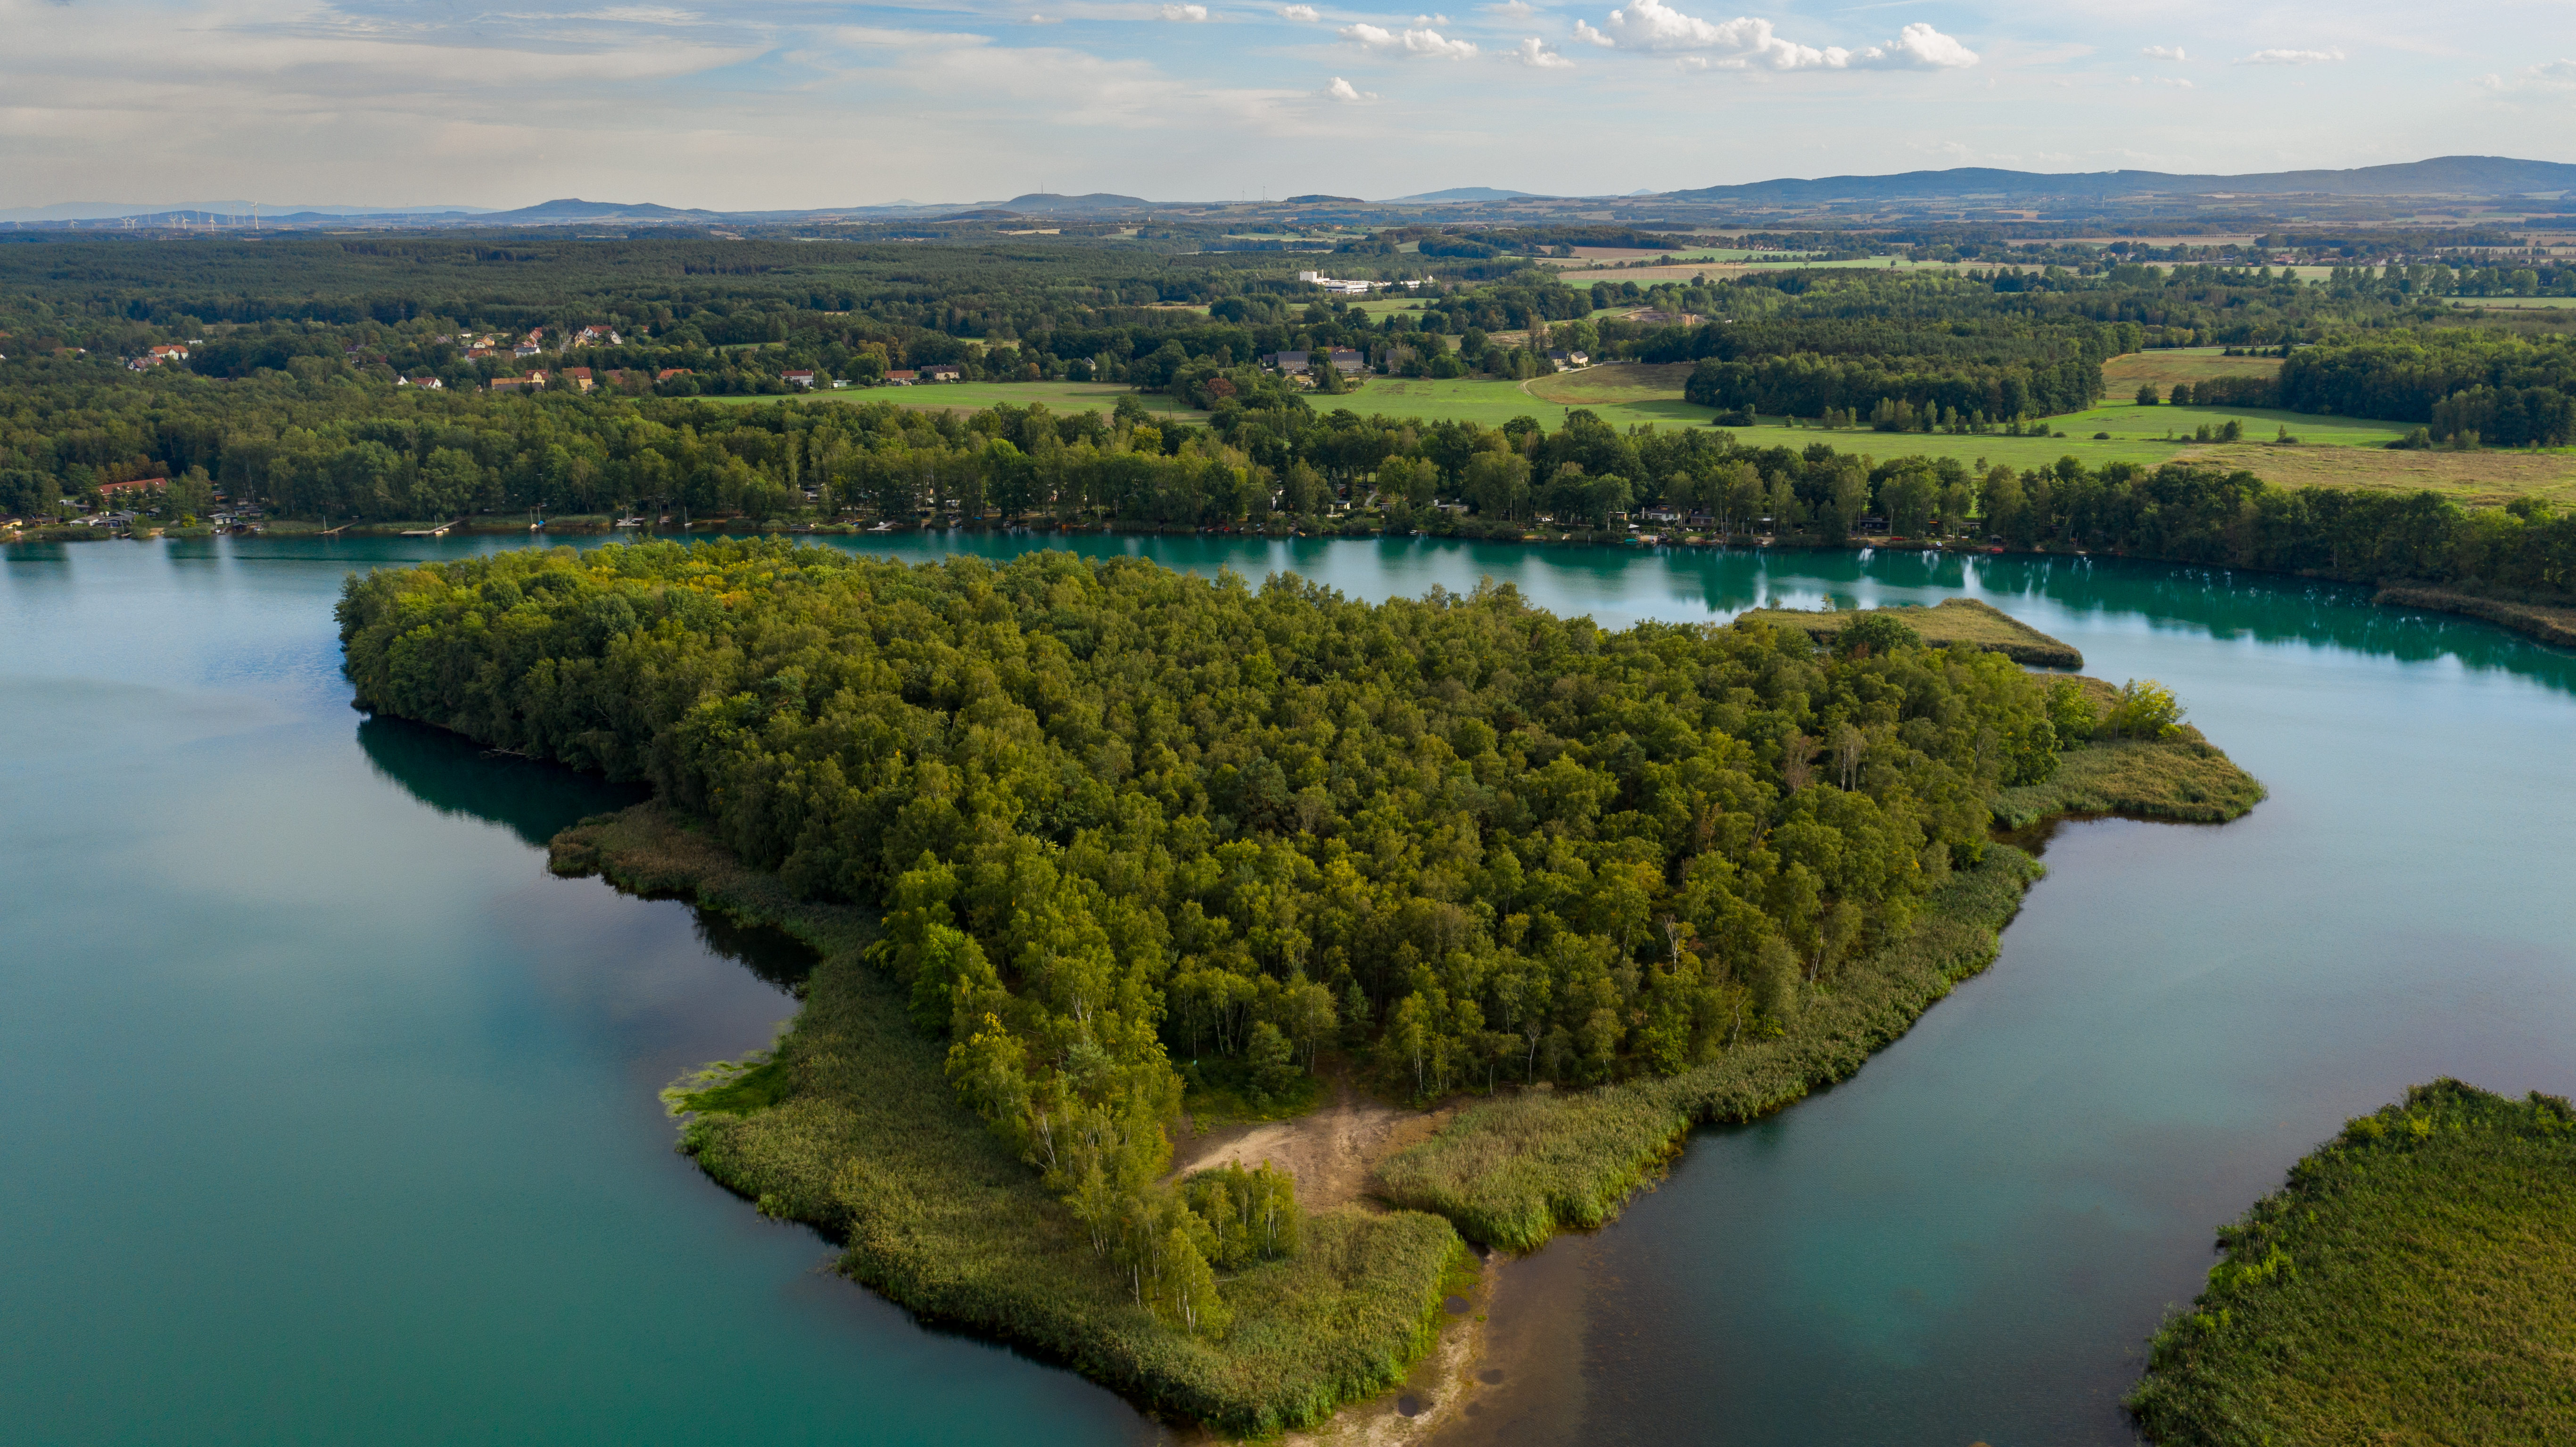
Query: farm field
[2137, 435]
[2168, 365]
[2333, 451]
[974, 396]
[1493, 403]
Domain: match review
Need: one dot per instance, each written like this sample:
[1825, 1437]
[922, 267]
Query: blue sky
[792, 103]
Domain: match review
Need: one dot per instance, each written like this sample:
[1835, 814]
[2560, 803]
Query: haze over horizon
[730, 107]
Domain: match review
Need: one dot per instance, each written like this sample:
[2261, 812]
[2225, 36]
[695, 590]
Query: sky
[807, 103]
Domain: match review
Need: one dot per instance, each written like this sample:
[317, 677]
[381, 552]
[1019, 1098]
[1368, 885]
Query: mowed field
[1622, 395]
[2168, 365]
[2332, 451]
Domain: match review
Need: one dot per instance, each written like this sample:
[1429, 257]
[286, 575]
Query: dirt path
[1330, 1150]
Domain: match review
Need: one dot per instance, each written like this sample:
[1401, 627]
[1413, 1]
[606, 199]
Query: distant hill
[111, 210]
[1323, 201]
[1468, 193]
[2441, 176]
[1047, 202]
[575, 209]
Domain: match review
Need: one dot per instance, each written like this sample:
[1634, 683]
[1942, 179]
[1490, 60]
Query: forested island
[1083, 841]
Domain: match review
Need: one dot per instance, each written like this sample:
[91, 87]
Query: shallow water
[336, 1120]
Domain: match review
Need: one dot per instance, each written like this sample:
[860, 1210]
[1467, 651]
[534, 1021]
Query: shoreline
[2549, 622]
[854, 1125]
[649, 851]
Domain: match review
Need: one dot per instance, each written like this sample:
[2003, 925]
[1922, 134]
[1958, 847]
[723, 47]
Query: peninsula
[1085, 845]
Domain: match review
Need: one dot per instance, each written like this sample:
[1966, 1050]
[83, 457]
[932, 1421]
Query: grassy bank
[1515, 1171]
[867, 1142]
[2414, 1282]
[1954, 622]
[2185, 780]
[2542, 621]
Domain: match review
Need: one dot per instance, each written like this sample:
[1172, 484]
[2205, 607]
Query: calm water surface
[335, 1117]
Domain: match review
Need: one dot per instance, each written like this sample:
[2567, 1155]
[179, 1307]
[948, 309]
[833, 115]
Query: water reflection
[456, 776]
[537, 800]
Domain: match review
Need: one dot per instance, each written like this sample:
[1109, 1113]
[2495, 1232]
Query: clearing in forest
[2168, 365]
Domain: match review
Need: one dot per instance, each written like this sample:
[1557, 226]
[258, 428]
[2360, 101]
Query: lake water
[334, 1114]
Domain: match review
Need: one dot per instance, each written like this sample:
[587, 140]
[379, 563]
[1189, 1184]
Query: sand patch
[1329, 1150]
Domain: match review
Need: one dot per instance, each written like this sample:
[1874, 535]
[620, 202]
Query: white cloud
[1514, 9]
[1430, 19]
[1298, 12]
[1748, 42]
[2555, 72]
[1917, 47]
[2290, 57]
[2175, 82]
[2163, 52]
[1189, 14]
[1428, 43]
[1342, 90]
[1534, 52]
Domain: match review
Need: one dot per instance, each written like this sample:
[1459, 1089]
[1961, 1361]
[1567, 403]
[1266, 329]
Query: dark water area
[336, 1114]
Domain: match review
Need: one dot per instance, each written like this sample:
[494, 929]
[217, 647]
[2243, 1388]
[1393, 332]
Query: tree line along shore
[1074, 836]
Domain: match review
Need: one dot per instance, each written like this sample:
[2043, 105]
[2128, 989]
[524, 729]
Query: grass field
[1494, 403]
[2138, 434]
[2415, 1282]
[1953, 623]
[2168, 365]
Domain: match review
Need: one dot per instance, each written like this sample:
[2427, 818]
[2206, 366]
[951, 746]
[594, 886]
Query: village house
[1338, 288]
[1345, 360]
[798, 379]
[595, 337]
[1286, 363]
[902, 378]
[1569, 359]
[430, 383]
[527, 349]
[169, 353]
[111, 490]
[578, 376]
[534, 381]
[667, 373]
[942, 372]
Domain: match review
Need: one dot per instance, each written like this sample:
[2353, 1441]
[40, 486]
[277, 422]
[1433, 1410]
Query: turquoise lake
[335, 1114]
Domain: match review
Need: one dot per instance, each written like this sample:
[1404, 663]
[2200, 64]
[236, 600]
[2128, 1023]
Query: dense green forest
[1121, 820]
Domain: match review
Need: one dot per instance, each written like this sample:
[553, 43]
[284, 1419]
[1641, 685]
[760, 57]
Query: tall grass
[1512, 1172]
[2185, 779]
[2414, 1282]
[870, 1145]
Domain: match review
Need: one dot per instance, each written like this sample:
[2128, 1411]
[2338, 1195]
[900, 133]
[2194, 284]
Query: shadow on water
[456, 776]
[774, 955]
[537, 800]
